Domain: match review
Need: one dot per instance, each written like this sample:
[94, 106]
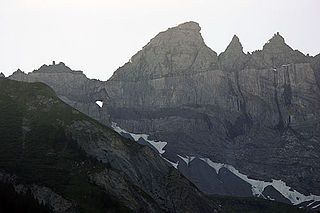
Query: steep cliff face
[316, 68]
[258, 112]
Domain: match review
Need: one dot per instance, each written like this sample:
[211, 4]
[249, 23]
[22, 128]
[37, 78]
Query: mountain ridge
[257, 112]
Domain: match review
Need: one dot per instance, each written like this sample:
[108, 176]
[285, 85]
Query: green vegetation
[35, 146]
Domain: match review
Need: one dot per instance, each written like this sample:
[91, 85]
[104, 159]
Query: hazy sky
[98, 36]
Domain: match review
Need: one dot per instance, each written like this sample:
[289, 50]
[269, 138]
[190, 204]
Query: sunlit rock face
[178, 51]
[258, 111]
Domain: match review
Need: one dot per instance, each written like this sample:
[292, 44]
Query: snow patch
[216, 166]
[99, 103]
[310, 204]
[175, 165]
[258, 186]
[158, 145]
[316, 206]
[187, 159]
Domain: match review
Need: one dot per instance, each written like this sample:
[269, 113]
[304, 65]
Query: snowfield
[258, 186]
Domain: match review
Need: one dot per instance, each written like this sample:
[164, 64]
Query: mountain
[258, 112]
[72, 163]
[234, 124]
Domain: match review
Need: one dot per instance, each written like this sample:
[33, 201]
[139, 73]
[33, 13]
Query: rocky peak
[19, 76]
[276, 44]
[2, 75]
[235, 45]
[191, 25]
[18, 72]
[276, 53]
[233, 57]
[177, 51]
[54, 68]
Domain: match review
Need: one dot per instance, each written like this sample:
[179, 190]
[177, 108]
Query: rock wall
[258, 111]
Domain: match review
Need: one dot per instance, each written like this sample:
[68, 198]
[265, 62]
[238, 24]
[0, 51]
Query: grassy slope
[43, 153]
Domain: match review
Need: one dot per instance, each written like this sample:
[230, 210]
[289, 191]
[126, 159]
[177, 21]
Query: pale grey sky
[98, 36]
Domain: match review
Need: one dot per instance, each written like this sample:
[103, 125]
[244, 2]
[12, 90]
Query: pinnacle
[234, 45]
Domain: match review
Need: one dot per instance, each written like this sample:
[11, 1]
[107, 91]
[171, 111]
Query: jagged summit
[277, 38]
[276, 44]
[191, 25]
[19, 71]
[176, 51]
[235, 45]
[276, 53]
[61, 67]
[181, 50]
[19, 75]
[52, 69]
[233, 57]
[2, 75]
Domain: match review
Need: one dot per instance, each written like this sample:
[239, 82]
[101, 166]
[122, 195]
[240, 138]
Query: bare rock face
[178, 51]
[258, 112]
[2, 75]
[315, 64]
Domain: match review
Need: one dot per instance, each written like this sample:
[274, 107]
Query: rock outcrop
[2, 75]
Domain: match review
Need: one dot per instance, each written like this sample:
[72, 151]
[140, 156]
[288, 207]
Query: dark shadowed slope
[75, 164]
